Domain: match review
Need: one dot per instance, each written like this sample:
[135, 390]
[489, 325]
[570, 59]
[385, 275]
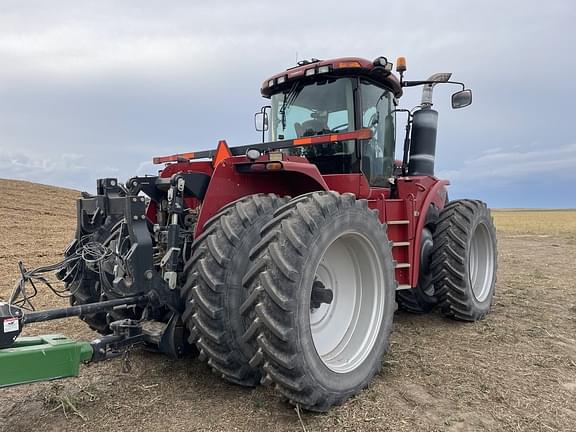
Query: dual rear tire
[298, 294]
[213, 290]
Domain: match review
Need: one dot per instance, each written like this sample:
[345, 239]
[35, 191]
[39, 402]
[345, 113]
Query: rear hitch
[49, 357]
[40, 358]
[126, 333]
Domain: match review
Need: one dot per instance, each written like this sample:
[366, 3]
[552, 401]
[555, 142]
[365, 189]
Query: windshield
[317, 108]
[314, 109]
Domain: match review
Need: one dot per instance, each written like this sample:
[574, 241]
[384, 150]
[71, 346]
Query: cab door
[377, 105]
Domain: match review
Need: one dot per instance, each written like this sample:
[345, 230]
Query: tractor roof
[344, 66]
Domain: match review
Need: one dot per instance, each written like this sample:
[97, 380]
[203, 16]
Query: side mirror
[462, 99]
[261, 121]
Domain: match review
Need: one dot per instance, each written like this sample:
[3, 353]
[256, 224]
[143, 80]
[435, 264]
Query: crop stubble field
[516, 370]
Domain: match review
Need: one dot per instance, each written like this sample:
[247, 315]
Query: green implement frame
[41, 358]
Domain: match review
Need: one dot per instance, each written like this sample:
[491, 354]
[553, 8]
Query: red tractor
[283, 262]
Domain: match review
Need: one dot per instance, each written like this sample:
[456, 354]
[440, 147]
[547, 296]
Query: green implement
[41, 358]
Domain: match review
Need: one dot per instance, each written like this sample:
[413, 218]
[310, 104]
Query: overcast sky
[96, 89]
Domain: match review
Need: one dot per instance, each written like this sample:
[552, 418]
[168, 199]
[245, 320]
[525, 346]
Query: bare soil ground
[516, 370]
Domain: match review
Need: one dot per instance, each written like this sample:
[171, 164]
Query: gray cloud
[496, 165]
[120, 82]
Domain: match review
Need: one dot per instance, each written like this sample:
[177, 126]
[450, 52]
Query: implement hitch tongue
[40, 358]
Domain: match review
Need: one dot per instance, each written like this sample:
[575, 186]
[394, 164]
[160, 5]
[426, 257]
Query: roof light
[324, 69]
[348, 64]
[281, 80]
[310, 72]
[380, 61]
[270, 83]
[401, 64]
[384, 63]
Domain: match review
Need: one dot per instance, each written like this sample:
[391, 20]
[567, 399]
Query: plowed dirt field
[516, 370]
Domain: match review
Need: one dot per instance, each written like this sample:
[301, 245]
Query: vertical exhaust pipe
[424, 131]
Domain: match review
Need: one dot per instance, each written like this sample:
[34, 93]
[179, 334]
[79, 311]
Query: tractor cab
[336, 96]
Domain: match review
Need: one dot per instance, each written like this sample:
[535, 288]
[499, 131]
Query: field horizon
[502, 209]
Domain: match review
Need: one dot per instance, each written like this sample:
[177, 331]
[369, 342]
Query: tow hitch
[39, 358]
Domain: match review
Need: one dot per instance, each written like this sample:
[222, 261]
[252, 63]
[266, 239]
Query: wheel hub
[346, 302]
[320, 295]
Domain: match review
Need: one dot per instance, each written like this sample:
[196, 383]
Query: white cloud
[67, 161]
[498, 165]
[68, 169]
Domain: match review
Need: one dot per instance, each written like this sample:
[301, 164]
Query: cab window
[377, 115]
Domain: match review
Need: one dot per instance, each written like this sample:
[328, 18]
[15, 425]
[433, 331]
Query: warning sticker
[11, 325]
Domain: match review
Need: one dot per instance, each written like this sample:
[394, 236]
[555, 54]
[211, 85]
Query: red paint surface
[409, 199]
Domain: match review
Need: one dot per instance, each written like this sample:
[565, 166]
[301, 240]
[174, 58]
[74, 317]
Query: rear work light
[324, 69]
[281, 80]
[310, 72]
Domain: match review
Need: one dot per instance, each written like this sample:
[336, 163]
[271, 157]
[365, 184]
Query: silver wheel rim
[481, 263]
[344, 332]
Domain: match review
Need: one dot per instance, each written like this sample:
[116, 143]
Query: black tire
[87, 290]
[213, 289]
[280, 282]
[422, 299]
[465, 237]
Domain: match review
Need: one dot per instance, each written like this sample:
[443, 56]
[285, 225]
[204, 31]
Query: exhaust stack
[424, 131]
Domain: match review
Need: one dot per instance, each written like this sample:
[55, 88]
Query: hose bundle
[87, 252]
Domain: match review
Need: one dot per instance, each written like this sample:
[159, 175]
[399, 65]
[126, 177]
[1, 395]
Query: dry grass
[513, 371]
[536, 222]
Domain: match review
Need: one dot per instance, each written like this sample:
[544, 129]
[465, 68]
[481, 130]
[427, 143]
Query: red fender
[437, 196]
[228, 184]
[197, 166]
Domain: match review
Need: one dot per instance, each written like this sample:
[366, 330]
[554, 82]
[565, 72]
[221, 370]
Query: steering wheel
[340, 126]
